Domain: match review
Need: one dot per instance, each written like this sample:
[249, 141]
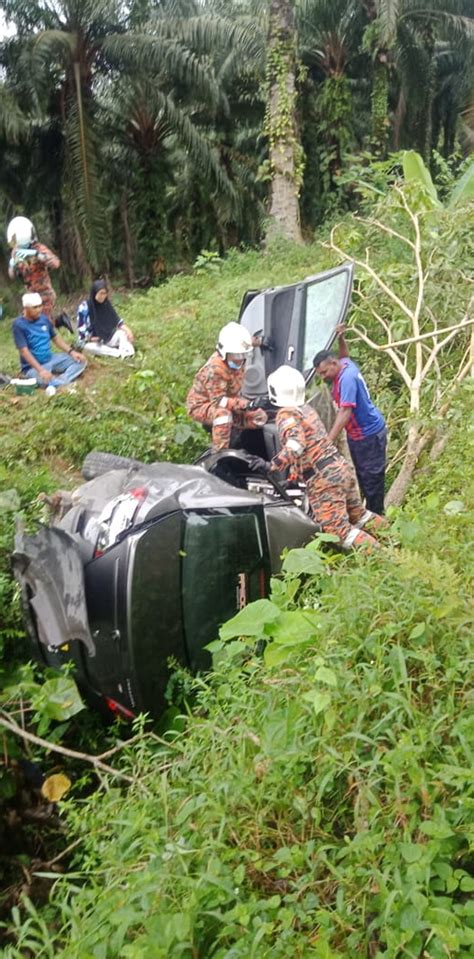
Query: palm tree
[406, 34]
[329, 38]
[285, 151]
[80, 46]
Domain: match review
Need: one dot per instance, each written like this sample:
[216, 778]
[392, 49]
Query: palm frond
[206, 34]
[161, 56]
[82, 177]
[13, 123]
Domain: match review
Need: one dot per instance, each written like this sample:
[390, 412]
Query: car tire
[97, 463]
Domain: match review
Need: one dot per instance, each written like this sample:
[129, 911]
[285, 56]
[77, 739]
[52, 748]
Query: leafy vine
[279, 127]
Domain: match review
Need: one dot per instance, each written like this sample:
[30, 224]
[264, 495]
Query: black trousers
[369, 457]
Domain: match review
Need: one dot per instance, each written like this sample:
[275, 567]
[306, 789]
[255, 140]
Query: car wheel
[97, 463]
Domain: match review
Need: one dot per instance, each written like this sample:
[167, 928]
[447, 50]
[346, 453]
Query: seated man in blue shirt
[33, 334]
[363, 422]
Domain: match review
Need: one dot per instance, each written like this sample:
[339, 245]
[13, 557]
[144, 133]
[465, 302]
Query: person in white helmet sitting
[306, 450]
[33, 334]
[215, 398]
[31, 261]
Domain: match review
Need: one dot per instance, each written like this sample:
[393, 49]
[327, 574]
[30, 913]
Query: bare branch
[366, 266]
[386, 229]
[434, 353]
[466, 321]
[13, 727]
[387, 349]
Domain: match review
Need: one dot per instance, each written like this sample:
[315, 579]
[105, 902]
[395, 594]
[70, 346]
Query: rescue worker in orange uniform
[331, 486]
[215, 398]
[31, 261]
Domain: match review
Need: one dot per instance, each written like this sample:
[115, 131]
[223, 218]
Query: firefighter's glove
[238, 403]
[257, 402]
[258, 465]
[264, 342]
[260, 417]
[21, 255]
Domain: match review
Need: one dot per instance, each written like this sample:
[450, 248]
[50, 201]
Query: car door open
[299, 319]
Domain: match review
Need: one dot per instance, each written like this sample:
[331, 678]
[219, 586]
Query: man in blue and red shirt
[363, 422]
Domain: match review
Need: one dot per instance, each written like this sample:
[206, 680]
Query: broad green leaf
[436, 830]
[299, 561]
[58, 698]
[251, 620]
[318, 700]
[215, 646]
[410, 851]
[415, 171]
[325, 675]
[293, 627]
[467, 883]
[417, 631]
[463, 190]
[274, 654]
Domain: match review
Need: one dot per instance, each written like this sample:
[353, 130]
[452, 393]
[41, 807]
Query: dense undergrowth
[319, 800]
[273, 827]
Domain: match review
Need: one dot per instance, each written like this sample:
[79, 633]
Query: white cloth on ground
[119, 346]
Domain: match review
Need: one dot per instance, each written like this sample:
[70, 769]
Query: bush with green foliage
[319, 799]
[319, 803]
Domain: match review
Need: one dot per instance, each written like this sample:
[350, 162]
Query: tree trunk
[285, 151]
[128, 243]
[398, 489]
[379, 105]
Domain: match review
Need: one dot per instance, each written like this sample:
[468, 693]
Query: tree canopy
[137, 135]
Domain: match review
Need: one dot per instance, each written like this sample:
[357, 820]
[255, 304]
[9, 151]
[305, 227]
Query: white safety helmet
[286, 387]
[20, 232]
[234, 338]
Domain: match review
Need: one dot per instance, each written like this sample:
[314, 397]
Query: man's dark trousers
[368, 455]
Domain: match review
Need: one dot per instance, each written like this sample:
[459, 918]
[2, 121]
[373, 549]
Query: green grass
[176, 327]
[273, 829]
[270, 827]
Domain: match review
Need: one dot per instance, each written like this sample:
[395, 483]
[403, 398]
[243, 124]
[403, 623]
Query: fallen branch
[97, 763]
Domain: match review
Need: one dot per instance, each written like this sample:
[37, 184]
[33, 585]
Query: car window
[253, 315]
[325, 308]
[222, 568]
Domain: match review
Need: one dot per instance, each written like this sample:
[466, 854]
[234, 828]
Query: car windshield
[222, 570]
[324, 305]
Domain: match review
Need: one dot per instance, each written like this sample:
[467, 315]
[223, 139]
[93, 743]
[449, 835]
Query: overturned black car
[148, 561]
[146, 564]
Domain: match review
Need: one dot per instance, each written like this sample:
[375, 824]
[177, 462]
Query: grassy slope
[135, 408]
[268, 830]
[176, 328]
[276, 832]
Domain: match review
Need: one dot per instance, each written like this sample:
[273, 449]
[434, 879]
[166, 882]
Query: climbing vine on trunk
[286, 159]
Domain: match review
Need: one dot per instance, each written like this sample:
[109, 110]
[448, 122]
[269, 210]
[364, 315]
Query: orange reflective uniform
[214, 399]
[332, 489]
[35, 276]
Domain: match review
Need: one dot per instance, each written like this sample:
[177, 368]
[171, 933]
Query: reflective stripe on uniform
[220, 420]
[364, 519]
[223, 401]
[294, 446]
[348, 541]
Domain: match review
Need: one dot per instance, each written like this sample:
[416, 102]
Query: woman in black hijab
[99, 326]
